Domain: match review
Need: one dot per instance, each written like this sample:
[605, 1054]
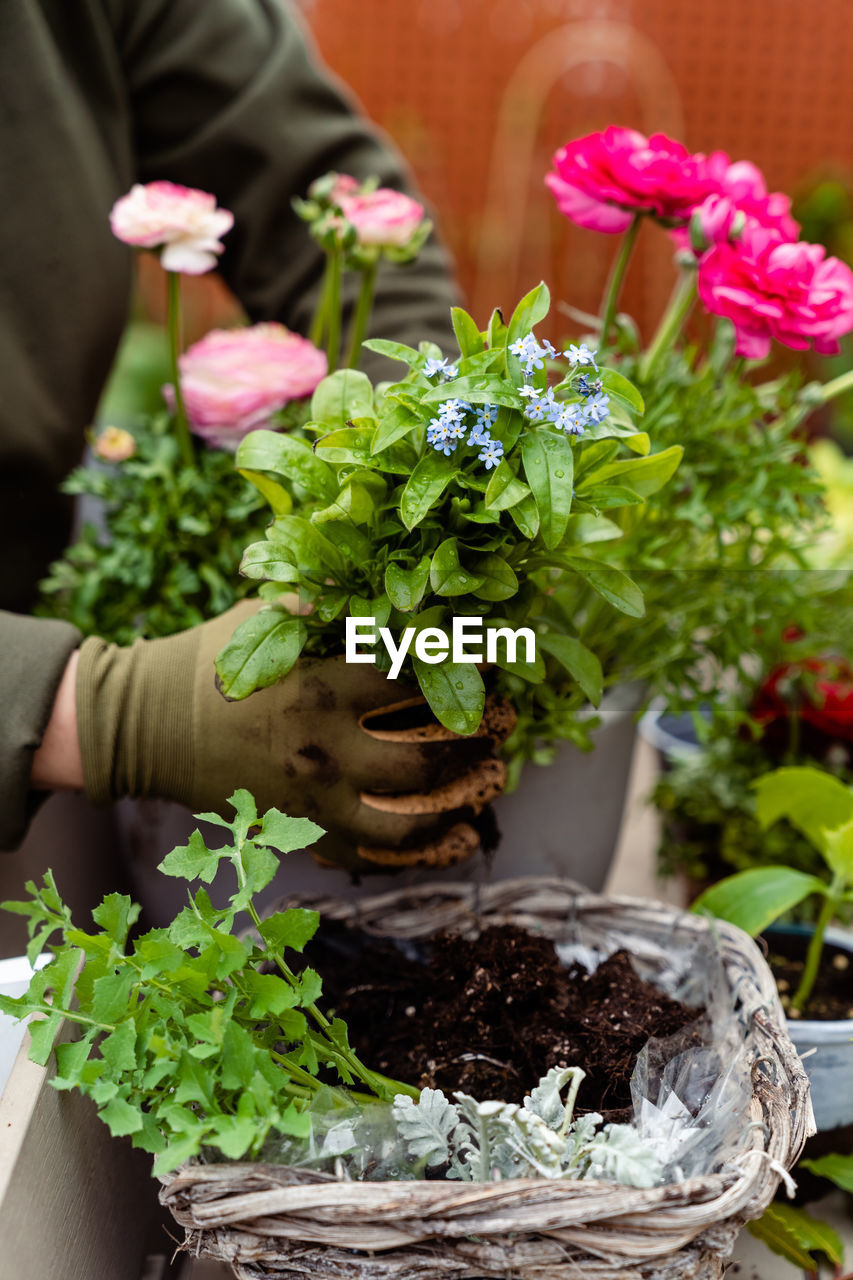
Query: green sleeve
[228, 96]
[33, 655]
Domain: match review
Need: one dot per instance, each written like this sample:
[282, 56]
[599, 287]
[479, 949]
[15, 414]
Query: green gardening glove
[337, 743]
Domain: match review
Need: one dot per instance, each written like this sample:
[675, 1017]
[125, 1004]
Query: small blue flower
[455, 430]
[479, 435]
[454, 410]
[541, 407]
[581, 355]
[447, 371]
[572, 419]
[487, 414]
[549, 349]
[597, 407]
[529, 391]
[523, 346]
[492, 454]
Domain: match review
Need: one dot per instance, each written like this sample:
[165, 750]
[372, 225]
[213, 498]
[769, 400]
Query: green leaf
[234, 1135]
[191, 861]
[289, 929]
[838, 846]
[532, 308]
[348, 444]
[115, 915]
[393, 427]
[259, 865]
[496, 331]
[789, 1232]
[479, 389]
[447, 576]
[265, 561]
[285, 833]
[612, 585]
[276, 495]
[306, 547]
[342, 396]
[110, 996]
[467, 334]
[580, 662]
[353, 502]
[285, 455]
[499, 580]
[455, 693]
[262, 651]
[753, 899]
[525, 516]
[405, 587]
[639, 443]
[811, 799]
[119, 1048]
[643, 476]
[121, 1118]
[838, 1169]
[615, 384]
[394, 351]
[585, 529]
[504, 489]
[549, 468]
[424, 487]
[533, 672]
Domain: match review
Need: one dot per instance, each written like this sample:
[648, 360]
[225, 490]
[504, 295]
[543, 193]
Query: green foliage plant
[796, 1235]
[821, 807]
[375, 520]
[191, 1037]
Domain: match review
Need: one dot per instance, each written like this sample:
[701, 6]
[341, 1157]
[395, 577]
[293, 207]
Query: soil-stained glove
[337, 743]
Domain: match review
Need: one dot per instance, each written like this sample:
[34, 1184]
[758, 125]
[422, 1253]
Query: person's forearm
[57, 765]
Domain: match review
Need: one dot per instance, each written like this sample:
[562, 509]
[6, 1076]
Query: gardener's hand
[393, 788]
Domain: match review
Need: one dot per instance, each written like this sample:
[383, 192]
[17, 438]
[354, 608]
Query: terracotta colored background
[479, 94]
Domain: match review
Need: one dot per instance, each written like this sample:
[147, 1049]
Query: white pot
[827, 1051]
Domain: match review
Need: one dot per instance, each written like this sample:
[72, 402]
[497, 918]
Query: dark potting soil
[832, 995]
[490, 1016]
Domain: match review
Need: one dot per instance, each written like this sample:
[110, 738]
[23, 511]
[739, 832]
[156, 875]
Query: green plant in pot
[821, 807]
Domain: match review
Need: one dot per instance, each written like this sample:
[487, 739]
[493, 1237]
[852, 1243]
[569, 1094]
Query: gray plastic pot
[827, 1051]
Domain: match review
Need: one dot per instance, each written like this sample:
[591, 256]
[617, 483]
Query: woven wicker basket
[274, 1221]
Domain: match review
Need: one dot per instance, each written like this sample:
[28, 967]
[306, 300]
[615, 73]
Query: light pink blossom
[114, 445]
[184, 222]
[774, 288]
[382, 218]
[234, 380]
[602, 180]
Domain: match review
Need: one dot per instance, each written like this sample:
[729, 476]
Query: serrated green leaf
[110, 996]
[289, 929]
[191, 861]
[285, 834]
[269, 995]
[121, 1118]
[115, 915]
[119, 1048]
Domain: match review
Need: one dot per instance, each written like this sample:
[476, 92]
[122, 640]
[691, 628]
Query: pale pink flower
[114, 445]
[382, 218]
[774, 288]
[234, 380]
[602, 180]
[184, 222]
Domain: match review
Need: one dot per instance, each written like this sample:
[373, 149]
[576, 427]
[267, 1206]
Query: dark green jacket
[94, 96]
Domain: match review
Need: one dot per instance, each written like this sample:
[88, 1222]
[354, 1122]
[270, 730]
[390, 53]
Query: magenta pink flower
[234, 380]
[184, 222]
[602, 180]
[382, 218]
[742, 200]
[774, 288]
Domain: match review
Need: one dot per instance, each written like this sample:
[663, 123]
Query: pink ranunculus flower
[602, 180]
[234, 380]
[382, 218]
[182, 221]
[743, 200]
[774, 288]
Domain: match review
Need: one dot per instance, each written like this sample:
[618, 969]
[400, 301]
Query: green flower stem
[813, 956]
[617, 276]
[182, 430]
[672, 321]
[362, 313]
[333, 309]
[76, 1017]
[317, 332]
[837, 386]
